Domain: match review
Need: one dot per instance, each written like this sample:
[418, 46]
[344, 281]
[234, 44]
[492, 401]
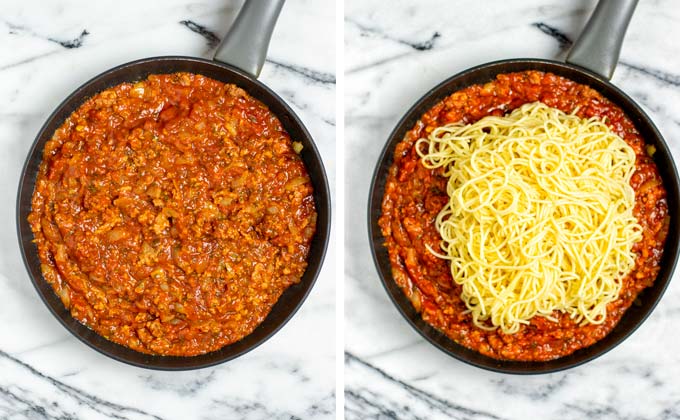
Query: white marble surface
[393, 55]
[45, 373]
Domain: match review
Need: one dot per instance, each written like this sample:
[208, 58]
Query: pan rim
[322, 196]
[376, 239]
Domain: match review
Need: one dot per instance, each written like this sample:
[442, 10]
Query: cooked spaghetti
[540, 214]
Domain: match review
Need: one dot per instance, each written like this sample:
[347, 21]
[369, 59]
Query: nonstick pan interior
[646, 301]
[291, 299]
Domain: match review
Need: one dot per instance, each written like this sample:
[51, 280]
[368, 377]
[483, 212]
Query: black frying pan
[590, 62]
[244, 49]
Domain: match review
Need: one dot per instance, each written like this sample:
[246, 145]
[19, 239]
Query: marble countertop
[47, 49]
[393, 55]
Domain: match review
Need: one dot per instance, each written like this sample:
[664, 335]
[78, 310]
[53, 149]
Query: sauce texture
[415, 195]
[171, 214]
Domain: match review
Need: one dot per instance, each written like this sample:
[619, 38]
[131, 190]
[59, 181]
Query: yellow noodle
[540, 214]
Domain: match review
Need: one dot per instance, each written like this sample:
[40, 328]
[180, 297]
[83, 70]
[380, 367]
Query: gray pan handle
[245, 45]
[599, 45]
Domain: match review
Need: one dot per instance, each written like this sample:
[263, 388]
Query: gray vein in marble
[293, 369]
[593, 410]
[93, 402]
[423, 377]
[642, 371]
[547, 385]
[313, 75]
[291, 98]
[375, 408]
[662, 76]
[28, 60]
[27, 408]
[212, 39]
[240, 409]
[255, 410]
[71, 373]
[565, 42]
[324, 407]
[439, 46]
[417, 46]
[670, 413]
[426, 45]
[202, 379]
[558, 35]
[386, 60]
[641, 97]
[355, 396]
[76, 42]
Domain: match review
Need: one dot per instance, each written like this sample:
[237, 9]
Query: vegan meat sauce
[415, 195]
[171, 214]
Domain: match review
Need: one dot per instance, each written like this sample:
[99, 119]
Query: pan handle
[245, 45]
[599, 45]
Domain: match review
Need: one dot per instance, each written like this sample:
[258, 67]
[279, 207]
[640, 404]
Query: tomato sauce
[415, 195]
[171, 214]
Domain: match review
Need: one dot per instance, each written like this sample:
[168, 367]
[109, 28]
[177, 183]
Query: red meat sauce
[171, 214]
[415, 195]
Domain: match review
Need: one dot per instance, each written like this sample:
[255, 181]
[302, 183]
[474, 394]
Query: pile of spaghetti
[540, 214]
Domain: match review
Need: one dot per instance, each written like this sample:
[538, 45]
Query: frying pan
[238, 60]
[591, 62]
